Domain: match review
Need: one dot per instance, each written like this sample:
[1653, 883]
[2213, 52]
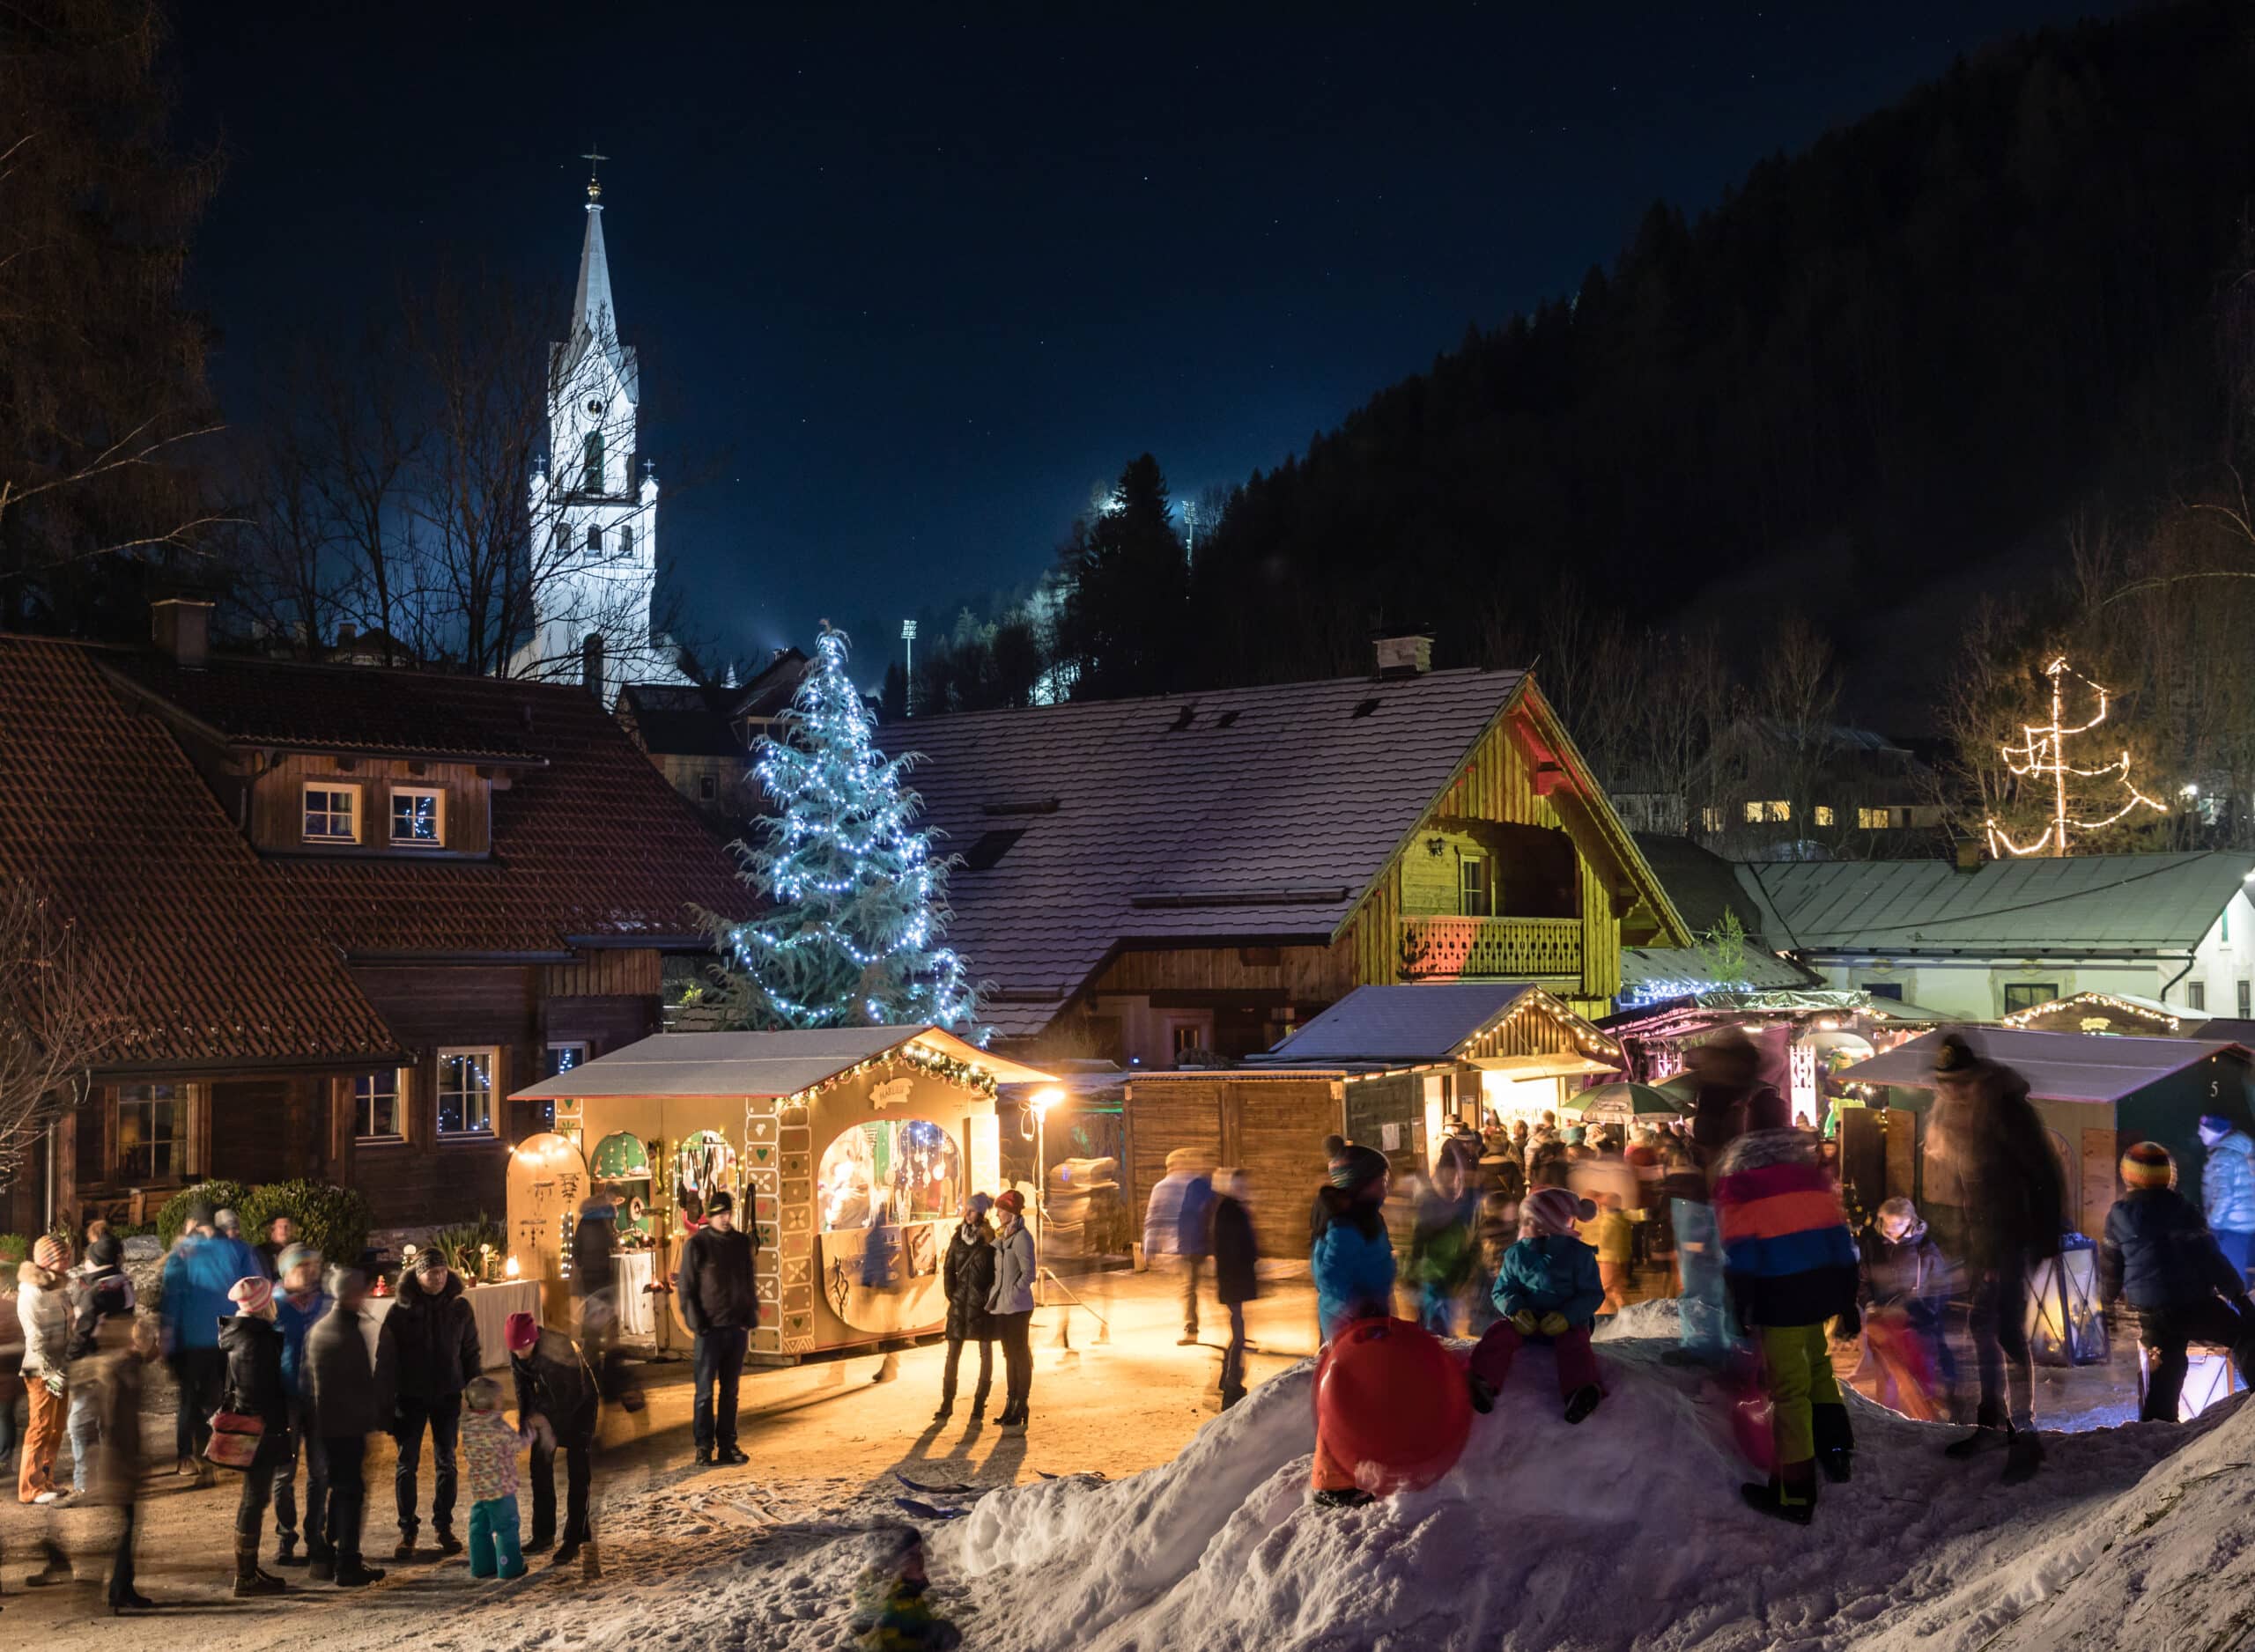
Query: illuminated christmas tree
[853, 901]
[2040, 755]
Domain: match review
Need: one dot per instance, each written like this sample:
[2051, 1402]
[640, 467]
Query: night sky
[918, 287]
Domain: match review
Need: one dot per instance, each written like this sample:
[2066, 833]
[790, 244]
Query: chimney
[347, 633]
[591, 664]
[1969, 854]
[182, 628]
[1403, 653]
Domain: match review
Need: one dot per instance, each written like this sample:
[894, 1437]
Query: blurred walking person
[301, 1306]
[1989, 1159]
[2227, 1189]
[43, 1311]
[595, 1287]
[967, 1274]
[253, 1345]
[558, 1401]
[199, 1271]
[1178, 1222]
[436, 1355]
[116, 1371]
[1236, 1278]
[1010, 1306]
[1440, 1239]
[352, 1395]
[714, 1287]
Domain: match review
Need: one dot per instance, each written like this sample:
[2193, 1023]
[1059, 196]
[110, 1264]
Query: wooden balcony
[1439, 949]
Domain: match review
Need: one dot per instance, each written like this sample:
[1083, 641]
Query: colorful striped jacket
[1787, 1253]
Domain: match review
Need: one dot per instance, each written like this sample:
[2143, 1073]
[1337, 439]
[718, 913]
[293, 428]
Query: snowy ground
[1625, 1532]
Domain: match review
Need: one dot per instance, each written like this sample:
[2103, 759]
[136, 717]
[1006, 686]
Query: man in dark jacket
[434, 1345]
[967, 1274]
[557, 1399]
[595, 1283]
[1235, 1281]
[352, 1395]
[714, 1289]
[2160, 1253]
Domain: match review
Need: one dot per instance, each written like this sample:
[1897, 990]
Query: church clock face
[595, 404]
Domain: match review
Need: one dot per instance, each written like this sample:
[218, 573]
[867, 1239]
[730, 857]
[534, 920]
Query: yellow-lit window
[1872, 819]
[1753, 813]
[1823, 814]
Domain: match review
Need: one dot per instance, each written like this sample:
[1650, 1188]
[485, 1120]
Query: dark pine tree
[1124, 619]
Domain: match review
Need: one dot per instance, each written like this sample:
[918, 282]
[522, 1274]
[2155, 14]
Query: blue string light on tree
[851, 899]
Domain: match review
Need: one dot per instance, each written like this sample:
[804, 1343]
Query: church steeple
[592, 314]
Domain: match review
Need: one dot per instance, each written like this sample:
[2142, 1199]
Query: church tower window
[591, 464]
[625, 539]
[594, 536]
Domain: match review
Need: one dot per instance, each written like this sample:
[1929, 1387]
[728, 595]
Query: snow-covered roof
[2112, 904]
[1652, 971]
[2059, 1066]
[750, 1063]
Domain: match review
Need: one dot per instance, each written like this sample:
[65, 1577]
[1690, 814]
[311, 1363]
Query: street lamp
[1039, 1104]
[907, 666]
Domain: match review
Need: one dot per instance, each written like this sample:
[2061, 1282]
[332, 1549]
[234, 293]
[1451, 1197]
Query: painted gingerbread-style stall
[849, 1151]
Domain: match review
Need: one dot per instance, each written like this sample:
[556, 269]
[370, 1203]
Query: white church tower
[594, 562]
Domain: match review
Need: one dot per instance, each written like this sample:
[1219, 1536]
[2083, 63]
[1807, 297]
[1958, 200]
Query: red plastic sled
[1391, 1401]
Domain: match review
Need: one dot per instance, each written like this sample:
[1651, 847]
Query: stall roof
[1428, 1022]
[1784, 1001]
[752, 1063]
[2059, 1066]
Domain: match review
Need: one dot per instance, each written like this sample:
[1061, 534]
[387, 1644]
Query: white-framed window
[378, 1114]
[332, 813]
[466, 1091]
[1474, 896]
[2196, 994]
[155, 1131]
[418, 816]
[564, 1054]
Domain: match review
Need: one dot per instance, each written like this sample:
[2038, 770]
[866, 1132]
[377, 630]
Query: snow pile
[1626, 1530]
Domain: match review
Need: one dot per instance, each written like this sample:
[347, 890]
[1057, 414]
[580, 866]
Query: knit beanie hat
[1357, 1167]
[48, 1252]
[295, 1256]
[1549, 1210]
[720, 1200]
[2216, 1124]
[979, 1204]
[104, 1251]
[521, 1331]
[2148, 1165]
[1011, 1200]
[251, 1297]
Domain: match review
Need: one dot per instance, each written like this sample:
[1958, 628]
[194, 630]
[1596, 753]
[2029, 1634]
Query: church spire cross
[594, 158]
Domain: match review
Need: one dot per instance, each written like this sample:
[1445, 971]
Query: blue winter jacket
[294, 1322]
[198, 1274]
[1180, 1220]
[1554, 1274]
[2160, 1254]
[2228, 1184]
[1353, 1273]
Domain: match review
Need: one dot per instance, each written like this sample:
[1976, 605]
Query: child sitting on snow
[1906, 1282]
[1548, 1290]
[489, 1462]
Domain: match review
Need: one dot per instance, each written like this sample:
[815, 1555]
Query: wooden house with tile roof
[1195, 874]
[410, 894]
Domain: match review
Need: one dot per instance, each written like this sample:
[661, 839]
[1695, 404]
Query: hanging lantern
[2066, 1324]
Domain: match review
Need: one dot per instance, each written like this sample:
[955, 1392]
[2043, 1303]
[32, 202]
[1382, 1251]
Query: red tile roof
[589, 844]
[216, 959]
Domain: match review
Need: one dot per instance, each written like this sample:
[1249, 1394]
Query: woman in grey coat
[351, 1398]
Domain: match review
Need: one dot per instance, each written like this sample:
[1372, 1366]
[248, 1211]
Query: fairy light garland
[930, 1063]
[2106, 1000]
[2041, 753]
[856, 900]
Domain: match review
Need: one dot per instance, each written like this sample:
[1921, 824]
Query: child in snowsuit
[1606, 1231]
[2160, 1253]
[1353, 1262]
[1548, 1290]
[1790, 1265]
[489, 1461]
[1905, 1290]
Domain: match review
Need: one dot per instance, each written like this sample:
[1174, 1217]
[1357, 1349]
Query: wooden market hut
[1389, 1066]
[2097, 1093]
[849, 1151]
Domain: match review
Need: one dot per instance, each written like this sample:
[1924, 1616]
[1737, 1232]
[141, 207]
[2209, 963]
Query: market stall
[849, 1151]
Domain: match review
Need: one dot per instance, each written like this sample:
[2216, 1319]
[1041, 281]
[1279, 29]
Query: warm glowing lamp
[510, 1268]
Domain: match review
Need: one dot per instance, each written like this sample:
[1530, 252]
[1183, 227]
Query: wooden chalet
[1190, 878]
[349, 909]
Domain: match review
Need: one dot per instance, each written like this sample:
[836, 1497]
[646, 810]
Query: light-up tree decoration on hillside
[2041, 755]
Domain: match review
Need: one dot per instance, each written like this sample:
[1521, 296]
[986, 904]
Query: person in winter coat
[352, 1390]
[2160, 1254]
[713, 1289]
[558, 1402]
[199, 1271]
[301, 1305]
[2227, 1189]
[255, 1387]
[1497, 1231]
[1334, 1149]
[1991, 1171]
[1790, 1265]
[43, 1310]
[1548, 1290]
[1728, 1071]
[966, 1276]
[489, 1449]
[1178, 1223]
[1903, 1297]
[1352, 1261]
[435, 1356]
[1440, 1238]
[595, 1286]
[100, 1292]
[115, 1370]
[1237, 1280]
[1010, 1308]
